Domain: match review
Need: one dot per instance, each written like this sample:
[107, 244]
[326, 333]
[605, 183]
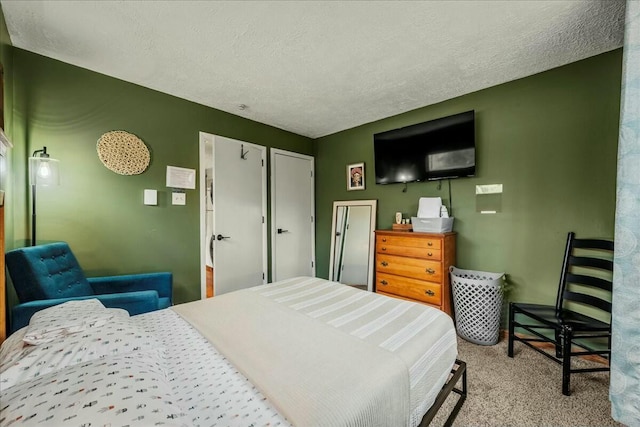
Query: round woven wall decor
[123, 153]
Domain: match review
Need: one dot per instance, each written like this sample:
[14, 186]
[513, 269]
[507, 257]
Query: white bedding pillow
[21, 362]
[120, 390]
[67, 318]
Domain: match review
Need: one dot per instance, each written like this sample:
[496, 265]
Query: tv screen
[437, 149]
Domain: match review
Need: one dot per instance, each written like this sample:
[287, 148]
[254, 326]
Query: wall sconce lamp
[43, 171]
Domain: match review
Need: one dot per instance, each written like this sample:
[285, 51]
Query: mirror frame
[372, 241]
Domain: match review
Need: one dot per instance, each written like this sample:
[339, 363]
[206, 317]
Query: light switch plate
[151, 197]
[178, 198]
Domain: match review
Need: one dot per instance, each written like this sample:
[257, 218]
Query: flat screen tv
[437, 149]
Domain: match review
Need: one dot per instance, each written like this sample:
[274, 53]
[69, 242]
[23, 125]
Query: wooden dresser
[415, 266]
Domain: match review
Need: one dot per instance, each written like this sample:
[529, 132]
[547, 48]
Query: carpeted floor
[526, 391]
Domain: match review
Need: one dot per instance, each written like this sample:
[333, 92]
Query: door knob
[280, 231]
[221, 237]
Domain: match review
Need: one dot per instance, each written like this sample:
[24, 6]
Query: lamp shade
[44, 171]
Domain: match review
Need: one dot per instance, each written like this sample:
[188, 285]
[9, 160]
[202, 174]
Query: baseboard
[504, 334]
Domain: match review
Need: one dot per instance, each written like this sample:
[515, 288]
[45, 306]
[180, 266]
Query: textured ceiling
[316, 68]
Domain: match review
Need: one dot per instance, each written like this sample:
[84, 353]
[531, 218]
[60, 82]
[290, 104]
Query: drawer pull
[384, 282]
[430, 253]
[429, 292]
[384, 249]
[384, 263]
[430, 270]
[384, 239]
[430, 243]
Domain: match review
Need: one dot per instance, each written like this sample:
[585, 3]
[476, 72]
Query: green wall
[99, 213]
[550, 139]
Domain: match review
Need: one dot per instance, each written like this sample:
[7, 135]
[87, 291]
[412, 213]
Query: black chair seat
[548, 315]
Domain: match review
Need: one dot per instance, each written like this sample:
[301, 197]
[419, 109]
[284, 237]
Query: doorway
[233, 210]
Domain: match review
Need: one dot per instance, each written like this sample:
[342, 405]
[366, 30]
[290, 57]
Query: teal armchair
[47, 275]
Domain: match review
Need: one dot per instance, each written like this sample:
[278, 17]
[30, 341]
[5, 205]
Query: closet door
[292, 215]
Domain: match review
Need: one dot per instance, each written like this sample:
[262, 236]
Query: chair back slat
[594, 282]
[584, 261]
[589, 300]
[604, 245]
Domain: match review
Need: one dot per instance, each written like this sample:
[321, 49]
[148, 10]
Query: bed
[303, 351]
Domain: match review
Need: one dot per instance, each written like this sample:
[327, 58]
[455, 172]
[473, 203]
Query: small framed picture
[355, 176]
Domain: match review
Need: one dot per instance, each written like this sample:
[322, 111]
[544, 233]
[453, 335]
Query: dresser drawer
[411, 241]
[410, 251]
[409, 267]
[409, 288]
[409, 299]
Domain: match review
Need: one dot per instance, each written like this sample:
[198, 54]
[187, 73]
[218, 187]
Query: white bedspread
[314, 374]
[421, 337]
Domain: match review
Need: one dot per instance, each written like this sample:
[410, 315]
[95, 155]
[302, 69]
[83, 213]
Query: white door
[292, 215]
[238, 214]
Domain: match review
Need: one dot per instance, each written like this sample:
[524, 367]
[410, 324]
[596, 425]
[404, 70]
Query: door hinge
[263, 219]
[311, 218]
[311, 264]
[262, 162]
[311, 174]
[262, 276]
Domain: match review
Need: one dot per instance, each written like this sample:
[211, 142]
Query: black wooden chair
[582, 315]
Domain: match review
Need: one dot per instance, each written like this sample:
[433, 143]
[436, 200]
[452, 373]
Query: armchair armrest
[161, 282]
[133, 302]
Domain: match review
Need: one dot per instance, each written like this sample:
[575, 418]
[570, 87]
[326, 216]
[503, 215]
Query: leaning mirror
[352, 243]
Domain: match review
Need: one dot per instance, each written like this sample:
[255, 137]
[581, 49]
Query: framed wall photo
[355, 176]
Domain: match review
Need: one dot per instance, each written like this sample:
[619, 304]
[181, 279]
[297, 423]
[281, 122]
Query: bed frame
[459, 370]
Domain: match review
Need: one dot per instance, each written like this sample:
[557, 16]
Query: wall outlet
[178, 198]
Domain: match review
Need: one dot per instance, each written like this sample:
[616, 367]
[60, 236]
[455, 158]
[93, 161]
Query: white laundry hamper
[477, 300]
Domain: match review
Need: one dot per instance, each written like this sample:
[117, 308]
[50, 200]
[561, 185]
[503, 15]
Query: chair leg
[511, 330]
[567, 337]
